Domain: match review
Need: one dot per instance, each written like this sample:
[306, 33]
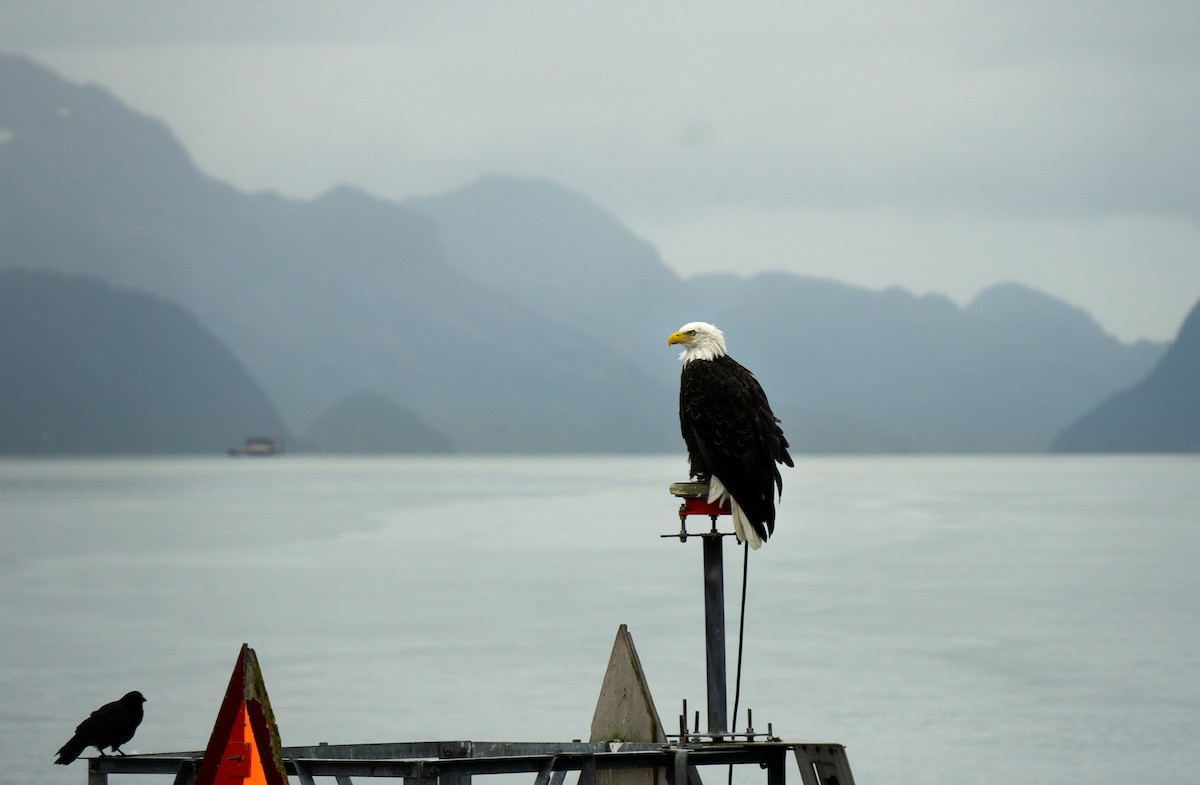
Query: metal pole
[777, 768]
[714, 632]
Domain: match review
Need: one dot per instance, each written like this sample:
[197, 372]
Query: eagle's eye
[691, 333]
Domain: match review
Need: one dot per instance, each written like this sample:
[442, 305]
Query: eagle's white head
[701, 341]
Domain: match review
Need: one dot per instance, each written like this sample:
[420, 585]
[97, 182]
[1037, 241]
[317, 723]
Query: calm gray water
[951, 620]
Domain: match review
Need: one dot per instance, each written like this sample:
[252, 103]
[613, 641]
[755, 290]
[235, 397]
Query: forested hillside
[86, 367]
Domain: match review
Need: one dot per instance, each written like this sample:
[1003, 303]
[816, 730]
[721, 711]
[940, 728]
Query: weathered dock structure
[628, 744]
[548, 763]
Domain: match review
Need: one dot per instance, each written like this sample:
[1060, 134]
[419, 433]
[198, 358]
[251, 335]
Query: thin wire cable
[737, 680]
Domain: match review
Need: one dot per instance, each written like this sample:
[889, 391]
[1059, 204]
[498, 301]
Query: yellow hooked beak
[679, 338]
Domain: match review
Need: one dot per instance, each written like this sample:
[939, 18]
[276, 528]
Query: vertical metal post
[714, 632]
[777, 768]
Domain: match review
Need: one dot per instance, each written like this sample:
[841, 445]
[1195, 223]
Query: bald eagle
[733, 438]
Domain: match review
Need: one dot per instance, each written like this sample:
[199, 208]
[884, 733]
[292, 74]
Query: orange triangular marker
[244, 748]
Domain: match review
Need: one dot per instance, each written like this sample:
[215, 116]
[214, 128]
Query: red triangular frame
[246, 693]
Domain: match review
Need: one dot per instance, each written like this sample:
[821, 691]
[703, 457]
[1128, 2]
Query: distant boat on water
[259, 445]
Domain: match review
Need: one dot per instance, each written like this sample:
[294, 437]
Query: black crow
[111, 725]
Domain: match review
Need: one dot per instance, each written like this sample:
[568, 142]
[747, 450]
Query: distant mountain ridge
[95, 369]
[371, 424]
[1161, 413]
[847, 368]
[322, 299]
[513, 314]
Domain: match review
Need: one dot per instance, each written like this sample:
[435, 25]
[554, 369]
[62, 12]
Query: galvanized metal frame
[456, 762]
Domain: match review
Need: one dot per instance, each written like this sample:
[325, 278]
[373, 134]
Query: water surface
[949, 619]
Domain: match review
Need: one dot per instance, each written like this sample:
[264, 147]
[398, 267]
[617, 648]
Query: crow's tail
[71, 750]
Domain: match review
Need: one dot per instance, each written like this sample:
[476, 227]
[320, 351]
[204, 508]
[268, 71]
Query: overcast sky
[937, 146]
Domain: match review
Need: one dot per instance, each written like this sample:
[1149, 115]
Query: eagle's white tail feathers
[741, 524]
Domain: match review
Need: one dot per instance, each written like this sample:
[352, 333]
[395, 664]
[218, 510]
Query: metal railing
[456, 762]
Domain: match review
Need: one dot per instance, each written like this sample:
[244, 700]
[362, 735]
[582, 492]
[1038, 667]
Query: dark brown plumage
[731, 433]
[111, 725]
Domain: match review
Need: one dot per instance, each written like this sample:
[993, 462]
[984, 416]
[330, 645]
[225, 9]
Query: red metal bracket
[699, 505]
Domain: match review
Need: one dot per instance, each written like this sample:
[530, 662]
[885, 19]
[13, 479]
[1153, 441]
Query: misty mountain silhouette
[91, 368]
[321, 299]
[513, 314]
[1161, 413]
[367, 423]
[847, 368]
